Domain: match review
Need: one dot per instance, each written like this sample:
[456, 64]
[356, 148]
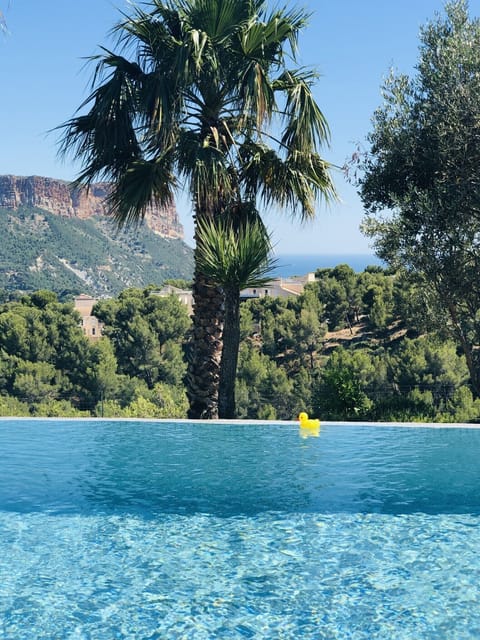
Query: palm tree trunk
[231, 343]
[203, 372]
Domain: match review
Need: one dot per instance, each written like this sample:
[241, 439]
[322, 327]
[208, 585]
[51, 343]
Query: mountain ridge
[60, 239]
[61, 198]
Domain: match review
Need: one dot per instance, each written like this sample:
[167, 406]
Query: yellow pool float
[308, 426]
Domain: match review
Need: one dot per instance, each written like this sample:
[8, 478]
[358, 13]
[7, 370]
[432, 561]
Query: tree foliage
[146, 330]
[288, 362]
[51, 368]
[423, 164]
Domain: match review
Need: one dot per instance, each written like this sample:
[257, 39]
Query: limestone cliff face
[56, 196]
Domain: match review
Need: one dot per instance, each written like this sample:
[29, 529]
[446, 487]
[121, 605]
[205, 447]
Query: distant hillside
[58, 238]
[58, 196]
[42, 250]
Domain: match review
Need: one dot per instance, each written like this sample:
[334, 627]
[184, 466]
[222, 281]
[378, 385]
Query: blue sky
[352, 44]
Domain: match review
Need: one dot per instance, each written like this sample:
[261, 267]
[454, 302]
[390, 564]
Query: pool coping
[286, 423]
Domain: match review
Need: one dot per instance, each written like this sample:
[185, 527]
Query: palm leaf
[305, 124]
[144, 183]
[294, 183]
[218, 20]
[234, 256]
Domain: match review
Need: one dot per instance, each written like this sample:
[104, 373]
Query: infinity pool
[148, 530]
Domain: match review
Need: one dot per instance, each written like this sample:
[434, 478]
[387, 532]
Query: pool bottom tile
[273, 575]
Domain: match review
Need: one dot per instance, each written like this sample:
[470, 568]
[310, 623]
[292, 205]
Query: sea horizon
[291, 264]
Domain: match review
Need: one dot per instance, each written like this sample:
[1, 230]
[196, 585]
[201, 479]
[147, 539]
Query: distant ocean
[300, 264]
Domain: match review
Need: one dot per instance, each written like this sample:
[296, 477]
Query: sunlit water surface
[155, 531]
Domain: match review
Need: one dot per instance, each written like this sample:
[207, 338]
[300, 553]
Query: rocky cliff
[57, 196]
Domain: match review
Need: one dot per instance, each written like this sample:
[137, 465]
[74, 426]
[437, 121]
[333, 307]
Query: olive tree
[421, 174]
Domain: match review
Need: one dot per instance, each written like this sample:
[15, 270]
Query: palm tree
[201, 96]
[234, 255]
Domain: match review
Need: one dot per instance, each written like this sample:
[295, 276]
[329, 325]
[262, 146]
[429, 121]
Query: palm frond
[143, 184]
[198, 82]
[306, 179]
[205, 166]
[219, 20]
[305, 125]
[105, 138]
[283, 26]
[294, 183]
[261, 51]
[234, 256]
[147, 33]
[258, 98]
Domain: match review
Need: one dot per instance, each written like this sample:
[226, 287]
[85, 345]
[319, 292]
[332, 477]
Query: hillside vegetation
[354, 346]
[41, 250]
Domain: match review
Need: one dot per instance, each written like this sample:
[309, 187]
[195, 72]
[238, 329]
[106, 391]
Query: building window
[93, 331]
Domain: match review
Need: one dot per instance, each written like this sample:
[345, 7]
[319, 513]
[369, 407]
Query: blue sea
[300, 264]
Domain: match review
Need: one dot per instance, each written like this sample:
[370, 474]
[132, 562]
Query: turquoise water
[152, 530]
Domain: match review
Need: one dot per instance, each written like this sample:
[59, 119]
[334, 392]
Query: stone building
[92, 327]
[279, 287]
[183, 295]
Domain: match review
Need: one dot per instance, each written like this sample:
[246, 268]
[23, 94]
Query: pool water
[148, 530]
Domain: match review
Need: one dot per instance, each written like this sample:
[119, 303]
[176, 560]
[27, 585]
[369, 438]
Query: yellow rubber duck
[308, 423]
[308, 426]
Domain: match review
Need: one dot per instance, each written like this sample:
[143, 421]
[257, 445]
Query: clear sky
[352, 44]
